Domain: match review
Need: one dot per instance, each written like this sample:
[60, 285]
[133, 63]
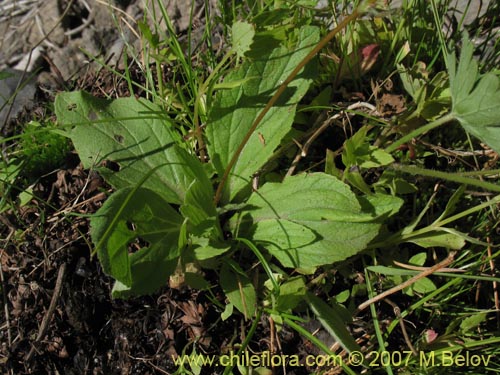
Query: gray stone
[17, 90]
[468, 10]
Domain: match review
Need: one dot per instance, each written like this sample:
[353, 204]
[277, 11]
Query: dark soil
[87, 332]
[45, 258]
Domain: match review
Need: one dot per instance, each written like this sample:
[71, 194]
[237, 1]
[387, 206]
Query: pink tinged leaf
[369, 55]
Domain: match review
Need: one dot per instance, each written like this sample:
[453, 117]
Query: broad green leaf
[343, 296]
[238, 288]
[380, 205]
[472, 322]
[231, 85]
[319, 202]
[235, 110]
[356, 148]
[423, 286]
[196, 281]
[396, 184]
[285, 235]
[353, 177]
[475, 98]
[438, 239]
[242, 37]
[431, 96]
[331, 318]
[414, 79]
[358, 152]
[205, 248]
[198, 204]
[418, 259]
[377, 158]
[125, 139]
[292, 292]
[204, 229]
[143, 218]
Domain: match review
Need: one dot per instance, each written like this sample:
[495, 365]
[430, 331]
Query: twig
[417, 268]
[305, 148]
[5, 306]
[42, 331]
[443, 264]
[457, 153]
[397, 312]
[97, 197]
[86, 23]
[115, 8]
[272, 334]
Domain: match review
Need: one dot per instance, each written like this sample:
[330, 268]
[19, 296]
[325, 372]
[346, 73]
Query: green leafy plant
[137, 150]
[164, 213]
[218, 185]
[38, 150]
[191, 200]
[475, 99]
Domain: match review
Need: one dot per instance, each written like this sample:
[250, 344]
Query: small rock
[17, 91]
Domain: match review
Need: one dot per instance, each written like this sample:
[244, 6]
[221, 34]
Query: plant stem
[322, 43]
[375, 321]
[265, 264]
[489, 203]
[420, 130]
[247, 340]
[444, 263]
[455, 177]
[399, 237]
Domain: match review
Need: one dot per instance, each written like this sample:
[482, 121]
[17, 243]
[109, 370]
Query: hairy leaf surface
[137, 219]
[317, 204]
[126, 138]
[235, 110]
